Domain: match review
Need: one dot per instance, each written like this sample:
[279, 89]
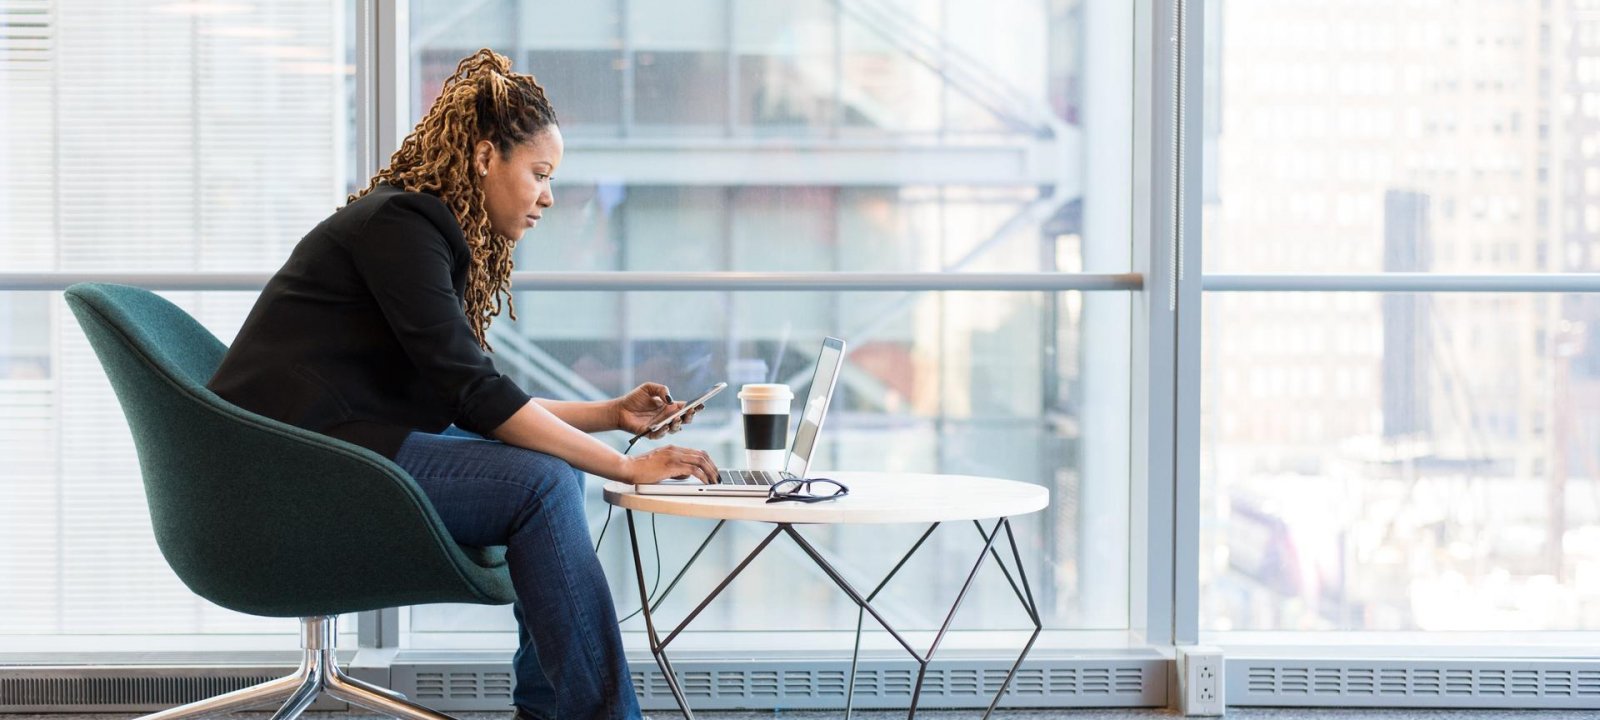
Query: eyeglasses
[801, 490]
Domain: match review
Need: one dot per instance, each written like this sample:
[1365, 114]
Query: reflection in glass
[1400, 461]
[1407, 462]
[570, 78]
[1328, 124]
[167, 137]
[785, 59]
[681, 88]
[963, 383]
[814, 136]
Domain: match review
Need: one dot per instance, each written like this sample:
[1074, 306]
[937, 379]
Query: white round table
[875, 498]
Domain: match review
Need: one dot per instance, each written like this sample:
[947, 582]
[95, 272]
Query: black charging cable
[655, 547]
[631, 441]
[655, 543]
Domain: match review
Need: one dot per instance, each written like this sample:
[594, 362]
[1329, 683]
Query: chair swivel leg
[318, 672]
[270, 692]
[318, 637]
[340, 678]
[304, 695]
[356, 692]
[361, 694]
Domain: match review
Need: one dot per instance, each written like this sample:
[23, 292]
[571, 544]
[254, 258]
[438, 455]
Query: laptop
[754, 483]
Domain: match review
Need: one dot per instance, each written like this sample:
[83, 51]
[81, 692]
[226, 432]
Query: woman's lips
[532, 220]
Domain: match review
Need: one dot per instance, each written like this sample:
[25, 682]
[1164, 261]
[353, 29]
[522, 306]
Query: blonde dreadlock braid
[482, 100]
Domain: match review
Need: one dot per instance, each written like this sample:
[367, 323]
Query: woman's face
[516, 185]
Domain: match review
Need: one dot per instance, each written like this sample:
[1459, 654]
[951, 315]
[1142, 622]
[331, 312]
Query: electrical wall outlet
[1200, 680]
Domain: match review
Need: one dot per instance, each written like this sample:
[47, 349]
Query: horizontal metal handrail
[877, 282]
[637, 281]
[1404, 282]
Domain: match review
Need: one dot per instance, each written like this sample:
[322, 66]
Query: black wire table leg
[855, 656]
[1024, 594]
[685, 569]
[1028, 604]
[855, 595]
[656, 649]
[718, 590]
[916, 692]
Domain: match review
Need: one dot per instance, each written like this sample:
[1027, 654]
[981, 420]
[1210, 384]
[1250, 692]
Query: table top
[875, 497]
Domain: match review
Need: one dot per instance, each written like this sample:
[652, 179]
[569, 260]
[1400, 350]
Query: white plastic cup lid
[766, 391]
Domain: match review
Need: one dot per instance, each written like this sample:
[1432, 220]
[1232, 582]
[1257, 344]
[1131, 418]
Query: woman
[374, 332]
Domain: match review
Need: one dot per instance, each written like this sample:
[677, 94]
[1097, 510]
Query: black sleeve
[405, 262]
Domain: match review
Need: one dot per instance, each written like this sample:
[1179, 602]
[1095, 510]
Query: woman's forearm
[537, 428]
[590, 417]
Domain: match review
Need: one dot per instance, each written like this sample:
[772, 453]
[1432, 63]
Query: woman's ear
[481, 154]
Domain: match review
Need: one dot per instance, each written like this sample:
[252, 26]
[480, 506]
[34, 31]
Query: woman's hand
[669, 461]
[646, 404]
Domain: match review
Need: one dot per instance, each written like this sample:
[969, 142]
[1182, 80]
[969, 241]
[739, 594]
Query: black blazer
[361, 334]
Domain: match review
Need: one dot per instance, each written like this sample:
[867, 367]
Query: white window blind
[159, 136]
[27, 134]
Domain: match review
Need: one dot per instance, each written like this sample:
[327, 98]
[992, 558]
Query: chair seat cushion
[487, 558]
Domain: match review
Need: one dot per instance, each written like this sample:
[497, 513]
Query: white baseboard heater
[712, 685]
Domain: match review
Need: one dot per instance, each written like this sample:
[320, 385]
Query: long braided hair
[482, 100]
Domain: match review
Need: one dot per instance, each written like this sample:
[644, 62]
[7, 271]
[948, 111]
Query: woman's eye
[541, 176]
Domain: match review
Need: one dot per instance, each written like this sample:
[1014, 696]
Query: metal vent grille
[446, 686]
[1488, 684]
[809, 685]
[730, 684]
[435, 686]
[114, 693]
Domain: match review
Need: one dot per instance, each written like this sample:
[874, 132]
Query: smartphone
[692, 404]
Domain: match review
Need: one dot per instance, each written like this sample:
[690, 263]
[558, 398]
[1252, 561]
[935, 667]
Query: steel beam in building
[1005, 161]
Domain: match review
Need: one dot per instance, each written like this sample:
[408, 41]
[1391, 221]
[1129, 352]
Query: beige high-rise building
[1421, 136]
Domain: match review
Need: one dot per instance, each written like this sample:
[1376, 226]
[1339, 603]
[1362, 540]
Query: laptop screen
[811, 413]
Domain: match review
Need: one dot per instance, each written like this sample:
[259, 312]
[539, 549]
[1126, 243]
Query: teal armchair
[268, 519]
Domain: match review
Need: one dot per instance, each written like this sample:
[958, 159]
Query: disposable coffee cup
[766, 424]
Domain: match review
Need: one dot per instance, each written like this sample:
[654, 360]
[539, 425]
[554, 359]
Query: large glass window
[1407, 462]
[1345, 137]
[820, 137]
[144, 136]
[1400, 461]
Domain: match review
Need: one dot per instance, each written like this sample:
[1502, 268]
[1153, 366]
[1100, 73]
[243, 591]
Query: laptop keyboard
[747, 477]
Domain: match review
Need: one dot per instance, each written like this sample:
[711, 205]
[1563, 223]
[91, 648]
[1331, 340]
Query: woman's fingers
[703, 462]
[684, 457]
[679, 463]
[678, 424]
[660, 415]
[695, 462]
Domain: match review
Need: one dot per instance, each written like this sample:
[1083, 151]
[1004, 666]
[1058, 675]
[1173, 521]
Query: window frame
[1166, 282]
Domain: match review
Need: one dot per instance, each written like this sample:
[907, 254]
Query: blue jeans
[570, 662]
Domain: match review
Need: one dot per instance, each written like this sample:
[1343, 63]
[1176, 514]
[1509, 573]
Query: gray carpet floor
[1236, 713]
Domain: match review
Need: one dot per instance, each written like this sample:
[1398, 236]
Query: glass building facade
[1394, 468]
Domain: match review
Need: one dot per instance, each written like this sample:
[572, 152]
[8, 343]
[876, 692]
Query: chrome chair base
[318, 673]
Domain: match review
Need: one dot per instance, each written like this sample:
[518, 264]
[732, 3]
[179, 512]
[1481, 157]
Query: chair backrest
[257, 515]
